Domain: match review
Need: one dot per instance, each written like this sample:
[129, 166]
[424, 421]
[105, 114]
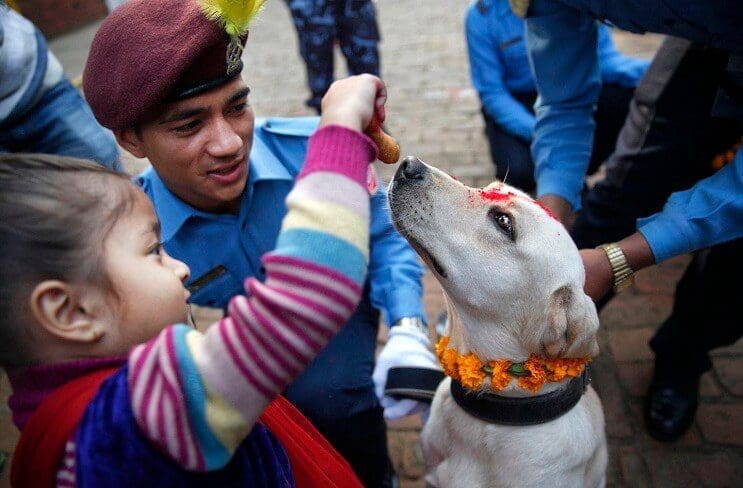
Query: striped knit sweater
[195, 395]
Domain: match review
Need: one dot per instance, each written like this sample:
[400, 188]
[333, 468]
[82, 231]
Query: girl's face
[147, 283]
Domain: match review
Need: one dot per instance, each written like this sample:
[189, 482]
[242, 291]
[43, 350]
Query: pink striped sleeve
[158, 400]
[333, 146]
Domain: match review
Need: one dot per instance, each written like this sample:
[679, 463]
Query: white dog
[513, 281]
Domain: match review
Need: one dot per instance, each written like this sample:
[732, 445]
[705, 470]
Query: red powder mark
[495, 195]
[453, 177]
[549, 212]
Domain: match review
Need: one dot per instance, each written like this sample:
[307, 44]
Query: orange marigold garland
[557, 370]
[538, 377]
[470, 371]
[449, 359]
[532, 374]
[499, 375]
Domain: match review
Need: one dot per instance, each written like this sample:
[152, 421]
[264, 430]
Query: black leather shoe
[670, 406]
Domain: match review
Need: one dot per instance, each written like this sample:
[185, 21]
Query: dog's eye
[503, 221]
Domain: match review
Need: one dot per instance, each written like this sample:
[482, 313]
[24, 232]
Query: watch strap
[624, 277]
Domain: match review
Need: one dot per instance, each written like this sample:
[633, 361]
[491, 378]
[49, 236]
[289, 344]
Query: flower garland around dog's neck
[471, 371]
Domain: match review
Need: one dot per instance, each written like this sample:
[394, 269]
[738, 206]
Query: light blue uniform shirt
[223, 250]
[561, 42]
[499, 65]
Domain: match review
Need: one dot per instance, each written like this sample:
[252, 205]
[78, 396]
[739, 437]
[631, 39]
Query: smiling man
[218, 181]
[199, 146]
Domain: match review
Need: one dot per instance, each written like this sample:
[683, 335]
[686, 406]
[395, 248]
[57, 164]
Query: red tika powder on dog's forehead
[478, 195]
[494, 195]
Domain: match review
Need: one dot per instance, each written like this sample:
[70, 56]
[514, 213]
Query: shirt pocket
[215, 288]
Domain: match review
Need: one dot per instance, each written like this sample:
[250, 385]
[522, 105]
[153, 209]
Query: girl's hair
[55, 213]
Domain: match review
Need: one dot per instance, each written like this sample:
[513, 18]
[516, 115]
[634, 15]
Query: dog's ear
[572, 323]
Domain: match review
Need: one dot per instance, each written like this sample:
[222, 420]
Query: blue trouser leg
[61, 122]
[704, 313]
[510, 155]
[316, 32]
[336, 393]
[358, 35]
[666, 145]
[319, 23]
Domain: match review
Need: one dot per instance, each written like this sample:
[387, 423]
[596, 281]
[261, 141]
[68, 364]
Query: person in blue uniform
[686, 109]
[319, 24]
[500, 73]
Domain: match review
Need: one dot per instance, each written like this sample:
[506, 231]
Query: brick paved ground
[434, 114]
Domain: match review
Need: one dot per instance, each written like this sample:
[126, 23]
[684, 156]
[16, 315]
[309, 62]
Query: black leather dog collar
[497, 409]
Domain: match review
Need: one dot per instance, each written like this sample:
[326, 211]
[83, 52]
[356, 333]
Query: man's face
[200, 147]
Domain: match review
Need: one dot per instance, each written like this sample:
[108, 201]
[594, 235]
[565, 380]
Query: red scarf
[38, 454]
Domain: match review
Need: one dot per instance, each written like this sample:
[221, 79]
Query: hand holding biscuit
[387, 147]
[358, 102]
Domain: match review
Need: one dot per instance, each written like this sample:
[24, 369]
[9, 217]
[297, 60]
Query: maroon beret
[147, 52]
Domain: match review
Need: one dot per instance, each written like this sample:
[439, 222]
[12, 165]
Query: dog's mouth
[427, 257]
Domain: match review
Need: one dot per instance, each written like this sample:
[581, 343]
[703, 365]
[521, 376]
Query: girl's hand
[353, 101]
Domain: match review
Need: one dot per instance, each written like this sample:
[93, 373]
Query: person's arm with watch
[612, 266]
[561, 44]
[708, 213]
[396, 289]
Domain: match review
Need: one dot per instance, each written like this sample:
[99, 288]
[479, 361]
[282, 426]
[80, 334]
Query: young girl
[88, 297]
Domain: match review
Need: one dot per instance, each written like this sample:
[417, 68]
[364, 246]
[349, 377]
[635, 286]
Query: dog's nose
[412, 168]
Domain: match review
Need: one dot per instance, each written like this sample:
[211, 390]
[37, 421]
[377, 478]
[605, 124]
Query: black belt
[497, 409]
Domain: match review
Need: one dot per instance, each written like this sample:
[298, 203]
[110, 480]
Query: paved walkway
[434, 113]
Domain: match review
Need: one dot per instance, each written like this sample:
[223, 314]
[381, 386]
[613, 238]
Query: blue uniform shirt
[499, 65]
[223, 250]
[561, 39]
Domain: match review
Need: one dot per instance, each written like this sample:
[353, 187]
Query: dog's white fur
[507, 297]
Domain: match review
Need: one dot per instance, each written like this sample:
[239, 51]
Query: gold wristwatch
[624, 277]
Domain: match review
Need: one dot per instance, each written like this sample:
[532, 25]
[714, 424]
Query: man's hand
[406, 347]
[599, 277]
[560, 207]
